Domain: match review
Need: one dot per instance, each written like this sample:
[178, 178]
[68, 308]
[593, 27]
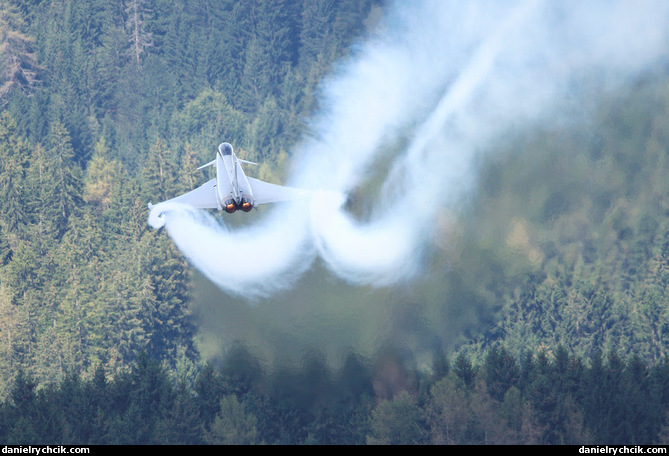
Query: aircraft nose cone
[225, 149]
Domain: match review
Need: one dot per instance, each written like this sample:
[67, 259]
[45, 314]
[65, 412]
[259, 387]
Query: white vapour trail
[447, 78]
[389, 248]
[252, 262]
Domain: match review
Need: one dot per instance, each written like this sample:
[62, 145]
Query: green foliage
[233, 425]
[18, 64]
[13, 165]
[578, 219]
[106, 106]
[132, 97]
[396, 422]
[555, 399]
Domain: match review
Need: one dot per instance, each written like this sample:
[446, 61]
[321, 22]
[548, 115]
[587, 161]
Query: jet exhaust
[426, 96]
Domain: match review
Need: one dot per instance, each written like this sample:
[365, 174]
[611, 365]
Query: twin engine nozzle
[231, 206]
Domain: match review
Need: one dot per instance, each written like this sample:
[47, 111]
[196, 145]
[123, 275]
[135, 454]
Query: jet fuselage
[232, 189]
[239, 194]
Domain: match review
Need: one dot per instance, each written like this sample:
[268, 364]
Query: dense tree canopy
[106, 106]
[551, 398]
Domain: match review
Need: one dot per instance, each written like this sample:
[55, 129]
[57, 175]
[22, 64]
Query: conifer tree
[396, 422]
[14, 213]
[140, 38]
[233, 425]
[62, 180]
[18, 63]
[102, 174]
[159, 172]
[448, 411]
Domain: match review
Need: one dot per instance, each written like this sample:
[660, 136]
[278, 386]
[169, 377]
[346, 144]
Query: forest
[546, 398]
[108, 105]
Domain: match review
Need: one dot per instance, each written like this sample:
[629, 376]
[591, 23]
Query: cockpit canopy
[225, 149]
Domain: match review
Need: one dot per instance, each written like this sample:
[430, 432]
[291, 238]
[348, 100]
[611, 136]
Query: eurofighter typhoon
[232, 189]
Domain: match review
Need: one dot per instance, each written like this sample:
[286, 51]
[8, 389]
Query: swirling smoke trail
[432, 90]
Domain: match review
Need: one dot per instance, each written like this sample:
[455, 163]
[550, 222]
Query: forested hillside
[107, 106]
[552, 315]
[548, 398]
[581, 215]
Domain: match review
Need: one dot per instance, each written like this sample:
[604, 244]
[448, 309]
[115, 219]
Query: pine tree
[36, 176]
[396, 422]
[18, 64]
[233, 425]
[14, 212]
[464, 369]
[159, 172]
[315, 32]
[235, 28]
[8, 331]
[180, 424]
[102, 174]
[25, 425]
[270, 52]
[448, 411]
[500, 372]
[188, 176]
[62, 181]
[209, 390]
[140, 38]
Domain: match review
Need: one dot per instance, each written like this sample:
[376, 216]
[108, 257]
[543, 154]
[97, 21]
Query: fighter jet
[231, 189]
